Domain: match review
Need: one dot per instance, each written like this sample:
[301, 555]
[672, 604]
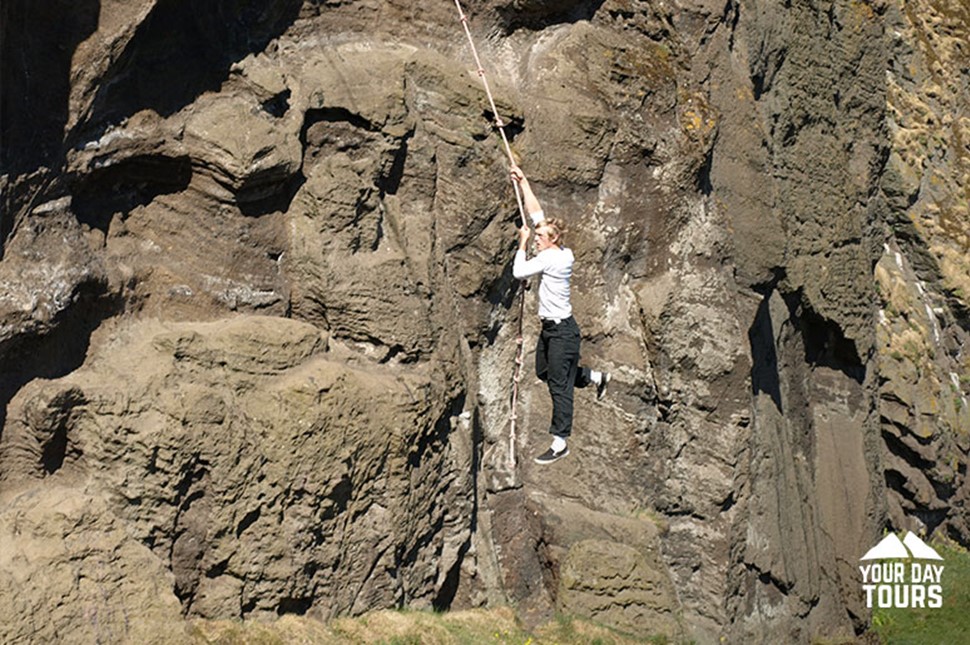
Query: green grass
[412, 627]
[947, 624]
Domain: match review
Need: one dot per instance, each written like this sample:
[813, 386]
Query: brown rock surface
[257, 315]
[234, 451]
[615, 583]
[78, 575]
[923, 277]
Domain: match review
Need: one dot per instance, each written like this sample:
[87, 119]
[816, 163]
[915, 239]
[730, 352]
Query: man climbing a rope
[557, 351]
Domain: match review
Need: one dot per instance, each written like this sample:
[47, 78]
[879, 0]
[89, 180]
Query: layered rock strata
[258, 321]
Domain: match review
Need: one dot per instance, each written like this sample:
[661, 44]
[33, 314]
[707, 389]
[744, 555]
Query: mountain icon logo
[904, 574]
[891, 547]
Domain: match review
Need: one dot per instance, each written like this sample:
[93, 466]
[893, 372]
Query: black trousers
[557, 363]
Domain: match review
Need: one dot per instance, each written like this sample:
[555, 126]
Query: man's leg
[542, 353]
[586, 377]
[563, 363]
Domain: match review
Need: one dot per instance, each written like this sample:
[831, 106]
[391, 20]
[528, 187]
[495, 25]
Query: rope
[491, 101]
[500, 125]
[516, 375]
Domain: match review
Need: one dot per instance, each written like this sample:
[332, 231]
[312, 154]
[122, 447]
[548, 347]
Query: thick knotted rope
[517, 371]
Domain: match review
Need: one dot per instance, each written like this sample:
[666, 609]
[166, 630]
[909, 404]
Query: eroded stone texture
[262, 473]
[258, 310]
[79, 575]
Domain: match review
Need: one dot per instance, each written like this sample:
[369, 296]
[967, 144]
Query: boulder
[79, 575]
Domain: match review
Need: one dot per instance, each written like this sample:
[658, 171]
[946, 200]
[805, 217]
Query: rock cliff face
[258, 323]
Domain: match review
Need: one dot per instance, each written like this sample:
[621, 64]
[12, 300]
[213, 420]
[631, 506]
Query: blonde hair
[556, 227]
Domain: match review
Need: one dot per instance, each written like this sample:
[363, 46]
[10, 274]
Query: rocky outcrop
[79, 575]
[259, 324]
[922, 274]
[232, 450]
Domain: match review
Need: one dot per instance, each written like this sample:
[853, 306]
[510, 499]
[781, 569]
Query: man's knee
[560, 387]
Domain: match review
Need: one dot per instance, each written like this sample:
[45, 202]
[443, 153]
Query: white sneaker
[601, 386]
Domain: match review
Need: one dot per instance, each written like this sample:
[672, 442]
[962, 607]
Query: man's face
[544, 238]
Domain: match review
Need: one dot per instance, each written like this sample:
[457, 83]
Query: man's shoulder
[560, 256]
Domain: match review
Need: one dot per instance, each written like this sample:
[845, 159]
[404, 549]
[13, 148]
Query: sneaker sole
[544, 462]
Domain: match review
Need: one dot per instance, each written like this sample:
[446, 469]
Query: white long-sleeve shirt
[556, 266]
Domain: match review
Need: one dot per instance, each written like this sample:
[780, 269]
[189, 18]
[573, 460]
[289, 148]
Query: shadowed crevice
[537, 15]
[765, 378]
[182, 50]
[55, 354]
[38, 39]
[122, 187]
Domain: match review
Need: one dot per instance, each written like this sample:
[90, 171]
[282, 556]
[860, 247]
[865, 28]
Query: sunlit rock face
[258, 323]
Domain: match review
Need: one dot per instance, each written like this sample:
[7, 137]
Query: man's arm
[532, 205]
[521, 267]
